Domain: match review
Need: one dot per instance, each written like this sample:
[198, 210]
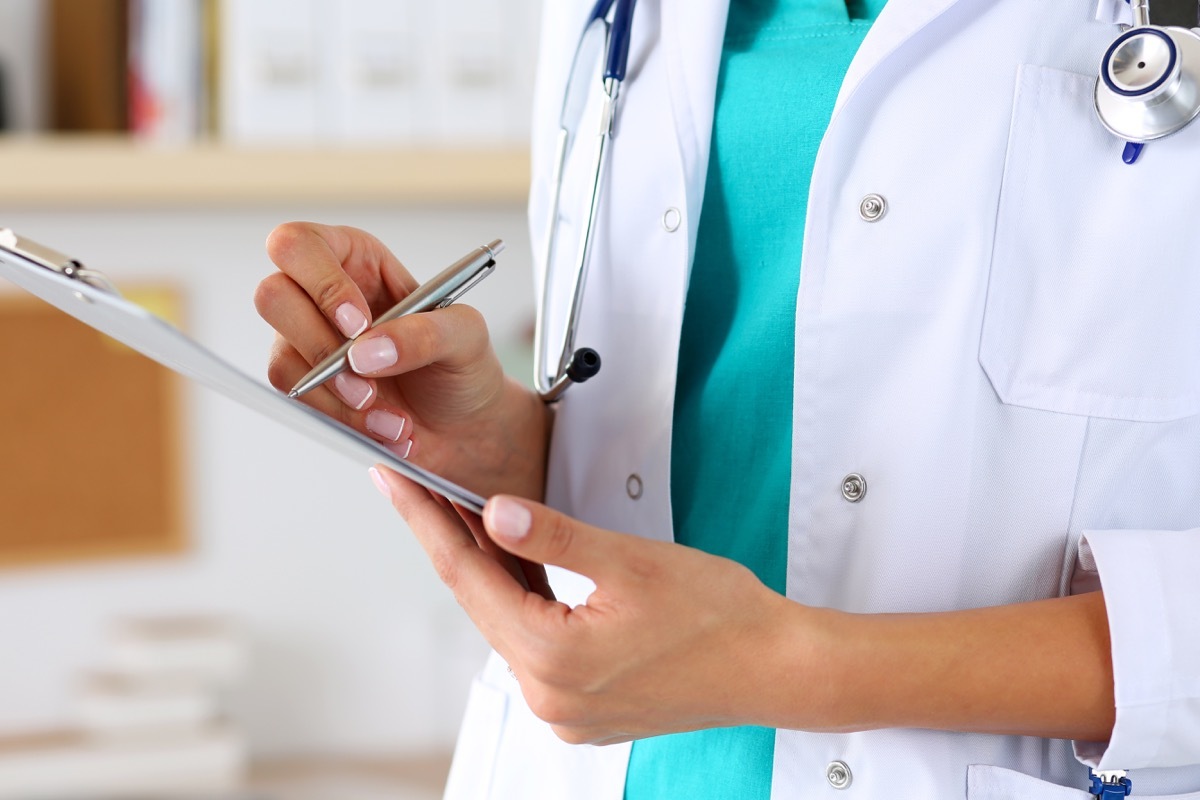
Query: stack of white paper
[114, 705]
[82, 768]
[161, 676]
[150, 721]
[203, 649]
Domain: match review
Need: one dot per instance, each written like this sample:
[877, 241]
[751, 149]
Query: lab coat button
[854, 487]
[873, 208]
[838, 774]
[633, 487]
[672, 219]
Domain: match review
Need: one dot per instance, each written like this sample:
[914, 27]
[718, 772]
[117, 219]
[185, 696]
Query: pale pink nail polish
[385, 424]
[508, 518]
[380, 483]
[353, 389]
[350, 320]
[372, 355]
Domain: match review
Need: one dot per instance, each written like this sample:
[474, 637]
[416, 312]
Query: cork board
[90, 462]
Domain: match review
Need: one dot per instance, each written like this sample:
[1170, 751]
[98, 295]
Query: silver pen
[439, 292]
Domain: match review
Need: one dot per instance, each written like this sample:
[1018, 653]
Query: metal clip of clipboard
[63, 282]
[54, 260]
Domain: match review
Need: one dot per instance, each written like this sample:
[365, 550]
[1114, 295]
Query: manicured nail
[508, 518]
[402, 449]
[380, 483]
[353, 389]
[372, 355]
[350, 320]
[385, 424]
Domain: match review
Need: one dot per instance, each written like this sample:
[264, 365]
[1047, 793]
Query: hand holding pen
[433, 390]
[425, 382]
[449, 285]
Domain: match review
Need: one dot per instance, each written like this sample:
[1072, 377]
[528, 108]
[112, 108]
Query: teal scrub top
[782, 65]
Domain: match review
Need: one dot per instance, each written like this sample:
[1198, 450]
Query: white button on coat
[1022, 378]
[671, 220]
[634, 487]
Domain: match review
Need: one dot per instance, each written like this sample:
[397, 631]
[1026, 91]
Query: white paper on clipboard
[41, 272]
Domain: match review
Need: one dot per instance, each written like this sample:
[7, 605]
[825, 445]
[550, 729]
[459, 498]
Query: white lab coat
[1010, 357]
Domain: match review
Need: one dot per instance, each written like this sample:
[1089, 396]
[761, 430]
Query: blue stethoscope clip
[1111, 785]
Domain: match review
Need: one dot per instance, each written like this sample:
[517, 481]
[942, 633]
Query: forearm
[1039, 669]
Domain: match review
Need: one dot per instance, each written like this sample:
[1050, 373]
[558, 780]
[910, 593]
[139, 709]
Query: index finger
[349, 274]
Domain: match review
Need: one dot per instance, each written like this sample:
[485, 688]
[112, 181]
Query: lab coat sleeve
[1151, 585]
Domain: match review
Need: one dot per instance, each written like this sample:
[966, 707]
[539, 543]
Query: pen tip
[293, 394]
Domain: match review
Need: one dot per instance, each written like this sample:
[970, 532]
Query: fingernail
[353, 389]
[380, 484]
[372, 355]
[350, 320]
[508, 518]
[385, 424]
[402, 449]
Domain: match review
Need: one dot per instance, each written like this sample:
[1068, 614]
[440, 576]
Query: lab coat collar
[898, 22]
[693, 32]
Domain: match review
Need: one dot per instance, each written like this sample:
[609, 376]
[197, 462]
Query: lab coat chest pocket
[1093, 303]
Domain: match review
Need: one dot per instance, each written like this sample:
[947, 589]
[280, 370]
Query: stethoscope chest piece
[1149, 84]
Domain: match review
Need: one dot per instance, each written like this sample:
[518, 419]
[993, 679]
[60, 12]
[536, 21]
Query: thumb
[536, 533]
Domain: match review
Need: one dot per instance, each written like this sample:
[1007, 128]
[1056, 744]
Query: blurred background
[193, 602]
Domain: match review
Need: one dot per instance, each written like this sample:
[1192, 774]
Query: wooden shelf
[42, 172]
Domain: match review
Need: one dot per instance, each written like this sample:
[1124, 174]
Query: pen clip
[483, 272]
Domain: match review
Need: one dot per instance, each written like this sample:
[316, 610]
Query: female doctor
[889, 485]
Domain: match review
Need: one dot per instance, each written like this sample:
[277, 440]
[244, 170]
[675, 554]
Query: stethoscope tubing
[616, 60]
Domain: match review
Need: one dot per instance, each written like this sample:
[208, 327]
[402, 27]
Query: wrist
[529, 427]
[807, 681]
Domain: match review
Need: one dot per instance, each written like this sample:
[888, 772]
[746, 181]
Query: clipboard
[91, 298]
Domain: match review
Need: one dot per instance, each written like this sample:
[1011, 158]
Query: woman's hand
[428, 385]
[672, 639]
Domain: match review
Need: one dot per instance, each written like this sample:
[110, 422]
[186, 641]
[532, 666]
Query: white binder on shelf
[378, 70]
[474, 71]
[273, 54]
[527, 17]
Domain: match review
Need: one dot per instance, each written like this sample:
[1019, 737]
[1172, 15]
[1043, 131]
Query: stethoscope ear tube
[585, 365]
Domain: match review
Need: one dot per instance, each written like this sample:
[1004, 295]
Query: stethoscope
[1148, 88]
[1149, 84]
[610, 40]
